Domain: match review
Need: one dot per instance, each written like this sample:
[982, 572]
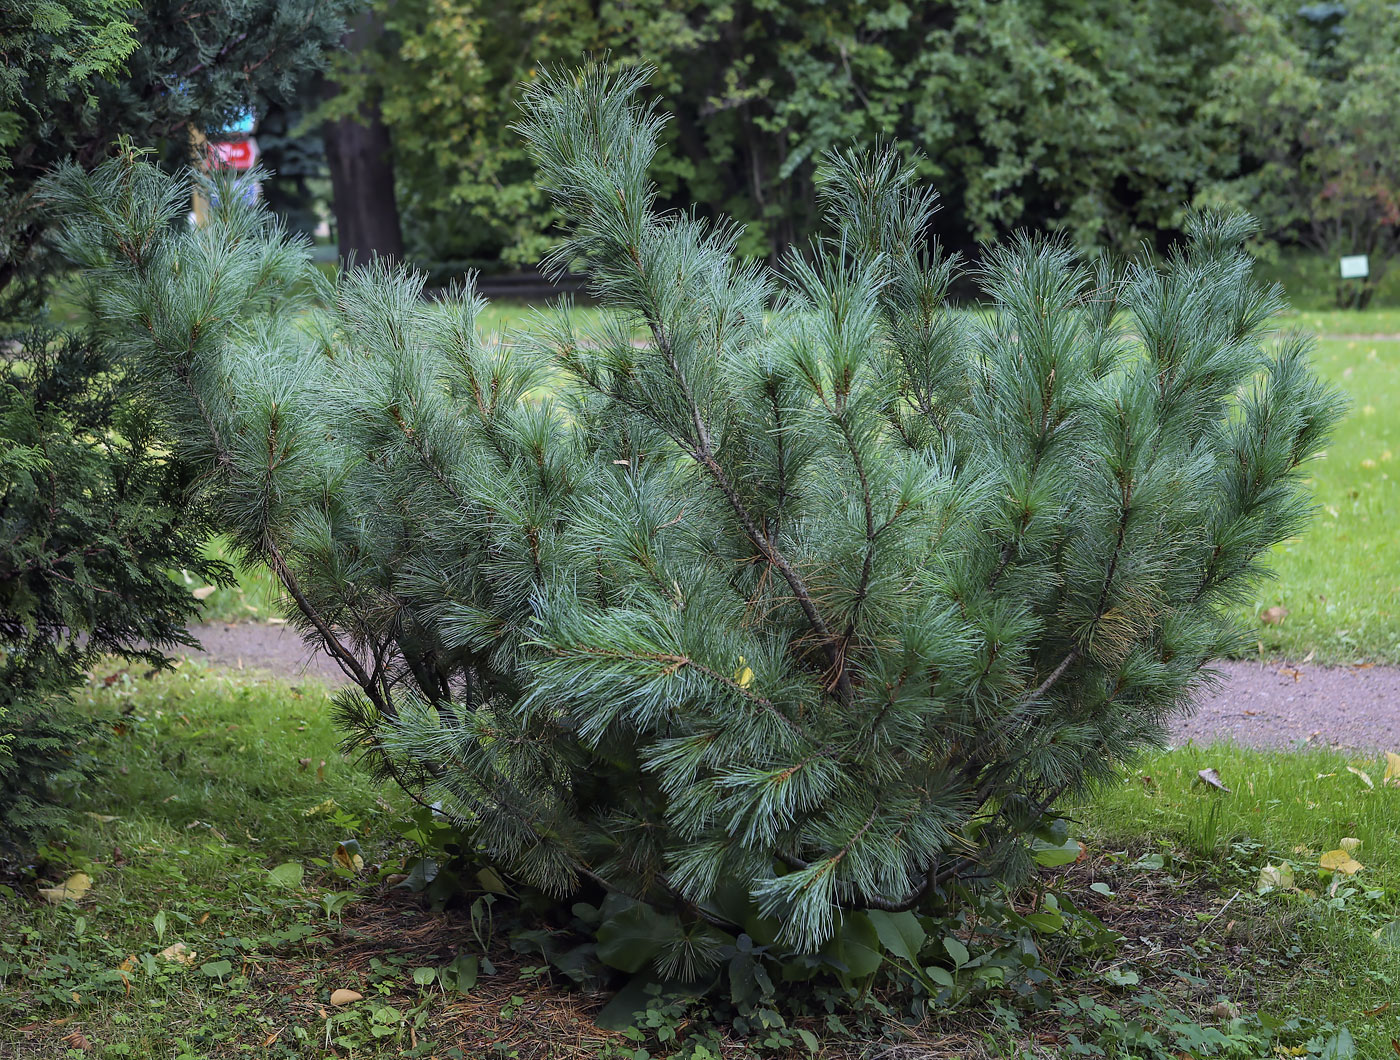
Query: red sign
[235, 154]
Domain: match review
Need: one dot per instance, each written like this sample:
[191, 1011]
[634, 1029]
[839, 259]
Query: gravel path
[1257, 704]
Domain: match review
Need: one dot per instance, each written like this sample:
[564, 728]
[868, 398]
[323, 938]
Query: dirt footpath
[1257, 704]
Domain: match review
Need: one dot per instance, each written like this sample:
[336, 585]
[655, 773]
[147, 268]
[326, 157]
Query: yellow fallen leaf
[1273, 616]
[1340, 861]
[1365, 777]
[179, 953]
[1392, 769]
[70, 890]
[347, 859]
[743, 676]
[344, 997]
[204, 592]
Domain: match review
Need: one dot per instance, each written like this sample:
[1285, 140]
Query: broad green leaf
[633, 934]
[1388, 935]
[424, 976]
[1053, 855]
[420, 876]
[1340, 1046]
[856, 944]
[491, 881]
[1121, 977]
[620, 1013]
[1046, 922]
[461, 974]
[216, 969]
[941, 976]
[287, 875]
[900, 933]
[957, 951]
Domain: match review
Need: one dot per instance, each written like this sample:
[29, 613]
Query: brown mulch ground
[1164, 921]
[1259, 704]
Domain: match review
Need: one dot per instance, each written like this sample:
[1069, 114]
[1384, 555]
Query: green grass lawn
[1315, 943]
[215, 822]
[209, 782]
[1340, 581]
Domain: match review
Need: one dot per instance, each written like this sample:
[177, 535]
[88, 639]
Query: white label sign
[1355, 267]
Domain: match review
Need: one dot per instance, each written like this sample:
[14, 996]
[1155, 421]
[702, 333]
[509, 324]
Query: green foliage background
[1102, 120]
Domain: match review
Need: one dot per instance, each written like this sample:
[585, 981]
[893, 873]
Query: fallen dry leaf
[1350, 844]
[1365, 777]
[204, 592]
[77, 1040]
[1273, 616]
[347, 859]
[1392, 769]
[179, 953]
[1275, 877]
[70, 890]
[344, 997]
[1340, 861]
[1212, 779]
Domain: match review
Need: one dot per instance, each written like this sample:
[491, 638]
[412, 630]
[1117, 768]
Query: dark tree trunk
[358, 153]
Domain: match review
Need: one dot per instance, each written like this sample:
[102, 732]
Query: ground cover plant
[785, 623]
[213, 783]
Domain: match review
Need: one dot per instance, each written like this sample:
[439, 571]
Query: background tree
[444, 78]
[203, 62]
[296, 155]
[1085, 118]
[1312, 108]
[803, 610]
[358, 150]
[53, 54]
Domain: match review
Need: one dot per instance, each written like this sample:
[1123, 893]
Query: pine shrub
[780, 595]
